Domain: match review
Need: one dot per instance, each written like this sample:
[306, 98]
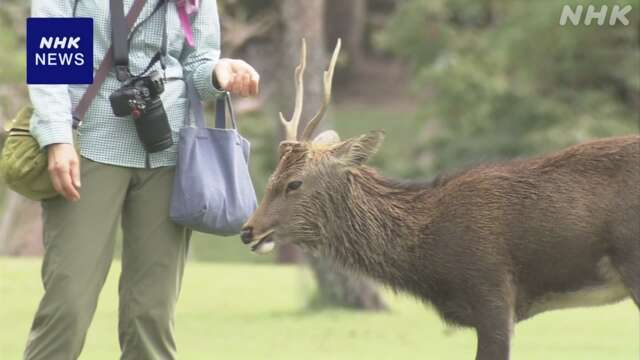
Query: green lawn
[234, 311]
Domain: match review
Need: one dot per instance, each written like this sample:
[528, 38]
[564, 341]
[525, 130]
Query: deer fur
[488, 246]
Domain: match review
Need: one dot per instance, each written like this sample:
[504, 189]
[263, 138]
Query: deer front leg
[494, 313]
[494, 331]
[493, 344]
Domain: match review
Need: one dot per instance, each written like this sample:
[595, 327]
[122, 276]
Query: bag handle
[91, 92]
[223, 103]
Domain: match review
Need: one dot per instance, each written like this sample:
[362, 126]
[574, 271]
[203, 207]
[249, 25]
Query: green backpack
[23, 164]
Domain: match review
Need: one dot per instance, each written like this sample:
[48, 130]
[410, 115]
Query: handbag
[212, 189]
[23, 164]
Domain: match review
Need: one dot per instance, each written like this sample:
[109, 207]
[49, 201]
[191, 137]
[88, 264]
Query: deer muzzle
[262, 243]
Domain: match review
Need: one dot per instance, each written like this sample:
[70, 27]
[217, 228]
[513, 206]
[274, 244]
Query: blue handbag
[212, 190]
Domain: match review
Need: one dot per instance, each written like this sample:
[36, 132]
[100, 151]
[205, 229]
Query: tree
[306, 19]
[348, 20]
[20, 227]
[20, 223]
[506, 80]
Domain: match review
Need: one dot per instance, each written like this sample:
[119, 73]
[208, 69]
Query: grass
[248, 311]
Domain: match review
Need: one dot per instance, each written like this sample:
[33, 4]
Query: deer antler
[291, 126]
[327, 79]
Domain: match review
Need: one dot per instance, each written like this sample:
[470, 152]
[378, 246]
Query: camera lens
[153, 127]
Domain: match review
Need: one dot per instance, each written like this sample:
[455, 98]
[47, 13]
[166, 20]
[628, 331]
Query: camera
[139, 97]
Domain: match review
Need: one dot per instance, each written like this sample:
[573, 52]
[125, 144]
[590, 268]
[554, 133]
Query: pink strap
[186, 8]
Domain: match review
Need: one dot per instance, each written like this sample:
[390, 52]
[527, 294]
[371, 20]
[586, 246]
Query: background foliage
[489, 80]
[507, 80]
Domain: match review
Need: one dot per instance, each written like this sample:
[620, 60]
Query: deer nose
[246, 234]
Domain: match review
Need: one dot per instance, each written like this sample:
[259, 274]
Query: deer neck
[372, 223]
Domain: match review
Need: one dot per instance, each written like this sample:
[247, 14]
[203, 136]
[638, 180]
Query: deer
[487, 246]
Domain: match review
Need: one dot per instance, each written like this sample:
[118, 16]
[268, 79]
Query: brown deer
[488, 247]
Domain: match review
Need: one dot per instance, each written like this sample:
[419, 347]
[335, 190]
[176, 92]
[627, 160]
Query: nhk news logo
[59, 51]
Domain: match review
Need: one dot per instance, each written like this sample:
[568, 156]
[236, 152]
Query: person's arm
[51, 121]
[202, 63]
[199, 61]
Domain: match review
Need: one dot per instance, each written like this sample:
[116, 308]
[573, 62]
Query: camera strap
[122, 42]
[104, 68]
[119, 34]
[161, 54]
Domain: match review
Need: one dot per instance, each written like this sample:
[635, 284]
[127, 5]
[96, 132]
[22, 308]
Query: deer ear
[357, 151]
[327, 137]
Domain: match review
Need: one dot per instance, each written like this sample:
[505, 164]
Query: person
[114, 179]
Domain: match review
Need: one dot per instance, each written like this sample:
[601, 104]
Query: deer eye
[294, 185]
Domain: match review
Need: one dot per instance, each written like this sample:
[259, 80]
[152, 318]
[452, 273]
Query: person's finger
[245, 84]
[60, 176]
[239, 66]
[254, 77]
[255, 83]
[249, 85]
[238, 84]
[231, 87]
[224, 74]
[55, 180]
[254, 74]
[75, 173]
[68, 190]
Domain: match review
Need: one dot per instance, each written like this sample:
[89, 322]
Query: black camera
[139, 97]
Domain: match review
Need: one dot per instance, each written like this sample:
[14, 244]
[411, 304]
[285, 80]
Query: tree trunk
[301, 19]
[336, 287]
[20, 222]
[348, 20]
[343, 288]
[20, 227]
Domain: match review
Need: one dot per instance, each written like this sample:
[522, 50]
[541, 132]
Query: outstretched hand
[237, 77]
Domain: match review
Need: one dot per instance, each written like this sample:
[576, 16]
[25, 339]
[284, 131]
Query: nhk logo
[59, 50]
[615, 14]
[57, 58]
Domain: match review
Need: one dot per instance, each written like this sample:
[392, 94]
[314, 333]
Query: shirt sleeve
[198, 62]
[52, 118]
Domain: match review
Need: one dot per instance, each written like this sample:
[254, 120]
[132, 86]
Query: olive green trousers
[79, 240]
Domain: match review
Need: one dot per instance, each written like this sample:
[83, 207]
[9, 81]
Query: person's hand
[237, 77]
[64, 169]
